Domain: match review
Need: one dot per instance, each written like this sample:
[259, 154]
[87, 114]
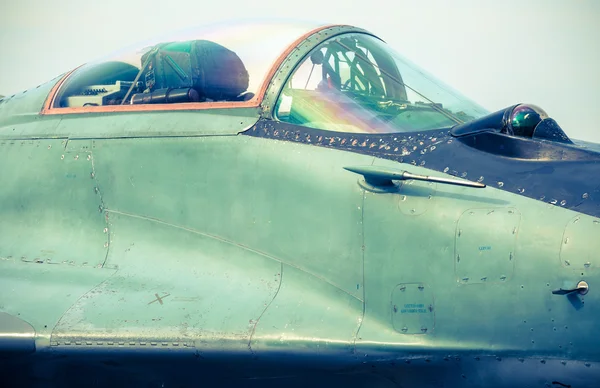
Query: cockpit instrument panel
[99, 95]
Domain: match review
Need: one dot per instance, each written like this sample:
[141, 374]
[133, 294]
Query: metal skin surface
[223, 248]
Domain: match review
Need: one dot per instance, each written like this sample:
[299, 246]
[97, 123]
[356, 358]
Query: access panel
[412, 309]
[485, 245]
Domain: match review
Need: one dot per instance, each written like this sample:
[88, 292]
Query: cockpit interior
[173, 72]
[349, 82]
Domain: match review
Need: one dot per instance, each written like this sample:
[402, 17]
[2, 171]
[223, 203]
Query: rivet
[89, 157]
[465, 279]
[405, 329]
[62, 157]
[585, 195]
[503, 277]
[92, 175]
[446, 169]
[105, 230]
[483, 279]
[567, 263]
[587, 364]
[563, 362]
[49, 146]
[587, 265]
[76, 157]
[563, 202]
[510, 256]
[521, 190]
[500, 184]
[566, 240]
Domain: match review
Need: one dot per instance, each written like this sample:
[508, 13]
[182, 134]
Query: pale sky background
[497, 52]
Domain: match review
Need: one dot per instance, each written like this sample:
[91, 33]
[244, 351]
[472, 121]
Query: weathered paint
[221, 258]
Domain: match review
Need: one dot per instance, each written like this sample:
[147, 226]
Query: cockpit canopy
[354, 82]
[336, 78]
[225, 62]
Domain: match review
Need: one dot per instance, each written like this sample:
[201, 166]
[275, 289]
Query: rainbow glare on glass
[376, 90]
[525, 117]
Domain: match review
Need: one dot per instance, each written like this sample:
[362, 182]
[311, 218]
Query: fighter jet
[280, 204]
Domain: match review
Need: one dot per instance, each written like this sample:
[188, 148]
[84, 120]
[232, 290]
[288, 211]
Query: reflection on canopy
[356, 83]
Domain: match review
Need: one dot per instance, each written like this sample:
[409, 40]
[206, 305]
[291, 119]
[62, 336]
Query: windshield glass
[356, 83]
[220, 62]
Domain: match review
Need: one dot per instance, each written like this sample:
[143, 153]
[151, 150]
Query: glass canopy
[354, 82]
[222, 62]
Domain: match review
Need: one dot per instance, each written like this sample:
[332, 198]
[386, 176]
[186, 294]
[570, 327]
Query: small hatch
[412, 308]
